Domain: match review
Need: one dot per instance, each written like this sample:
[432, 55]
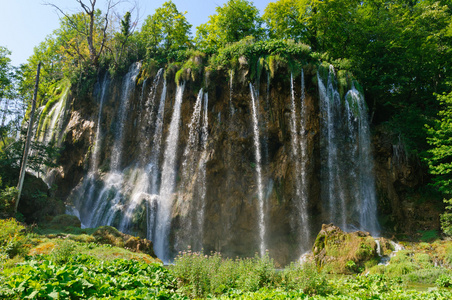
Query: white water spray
[257, 149]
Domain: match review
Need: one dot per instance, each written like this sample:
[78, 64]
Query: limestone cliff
[215, 202]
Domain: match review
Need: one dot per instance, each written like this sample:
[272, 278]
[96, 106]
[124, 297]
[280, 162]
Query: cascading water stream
[298, 146]
[154, 166]
[260, 194]
[202, 169]
[94, 163]
[193, 186]
[330, 104]
[140, 180]
[190, 152]
[128, 87]
[348, 177]
[148, 118]
[365, 164]
[165, 202]
[110, 195]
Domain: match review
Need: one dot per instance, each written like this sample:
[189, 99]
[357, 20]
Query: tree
[234, 21]
[439, 157]
[6, 73]
[284, 20]
[166, 30]
[7, 91]
[90, 25]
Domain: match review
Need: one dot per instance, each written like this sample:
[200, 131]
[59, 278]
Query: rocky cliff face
[223, 194]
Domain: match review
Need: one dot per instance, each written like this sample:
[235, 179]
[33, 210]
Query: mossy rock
[112, 236]
[109, 235]
[63, 221]
[334, 250]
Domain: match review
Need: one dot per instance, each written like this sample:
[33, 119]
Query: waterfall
[94, 163]
[140, 179]
[168, 181]
[304, 161]
[154, 165]
[104, 208]
[202, 170]
[347, 176]
[190, 152]
[366, 199]
[298, 146]
[187, 191]
[148, 116]
[257, 149]
[128, 88]
[231, 105]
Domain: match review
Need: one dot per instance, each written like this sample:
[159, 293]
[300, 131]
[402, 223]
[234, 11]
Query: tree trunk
[28, 140]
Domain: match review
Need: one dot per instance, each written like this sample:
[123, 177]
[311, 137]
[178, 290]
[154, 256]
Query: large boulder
[339, 252]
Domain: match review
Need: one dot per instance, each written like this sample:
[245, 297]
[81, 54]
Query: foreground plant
[85, 277]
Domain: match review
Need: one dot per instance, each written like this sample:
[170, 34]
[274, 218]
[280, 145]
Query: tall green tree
[439, 157]
[6, 71]
[284, 20]
[233, 21]
[166, 30]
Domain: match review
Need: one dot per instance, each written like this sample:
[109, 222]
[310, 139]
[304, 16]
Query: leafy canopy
[233, 21]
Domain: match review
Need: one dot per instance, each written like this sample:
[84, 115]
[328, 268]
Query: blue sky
[26, 23]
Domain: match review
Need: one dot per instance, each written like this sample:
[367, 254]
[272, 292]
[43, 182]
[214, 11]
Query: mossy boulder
[63, 221]
[112, 236]
[339, 252]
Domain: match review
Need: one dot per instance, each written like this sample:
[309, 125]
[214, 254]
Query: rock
[339, 252]
[112, 236]
[63, 221]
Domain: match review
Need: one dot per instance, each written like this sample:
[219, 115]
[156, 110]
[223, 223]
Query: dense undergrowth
[68, 263]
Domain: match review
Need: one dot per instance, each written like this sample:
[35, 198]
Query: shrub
[199, 275]
[13, 238]
[63, 251]
[444, 281]
[8, 197]
[305, 277]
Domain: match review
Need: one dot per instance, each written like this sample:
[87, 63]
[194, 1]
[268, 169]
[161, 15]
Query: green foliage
[305, 277]
[444, 281]
[6, 74]
[13, 238]
[84, 277]
[167, 30]
[63, 252]
[200, 275]
[41, 156]
[234, 21]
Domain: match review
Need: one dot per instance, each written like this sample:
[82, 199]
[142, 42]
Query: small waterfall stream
[260, 193]
[168, 181]
[106, 205]
[347, 177]
[201, 207]
[140, 179]
[154, 165]
[128, 87]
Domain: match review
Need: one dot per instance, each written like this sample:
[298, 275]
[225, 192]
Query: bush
[444, 281]
[63, 252]
[13, 238]
[199, 275]
[8, 198]
[305, 277]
